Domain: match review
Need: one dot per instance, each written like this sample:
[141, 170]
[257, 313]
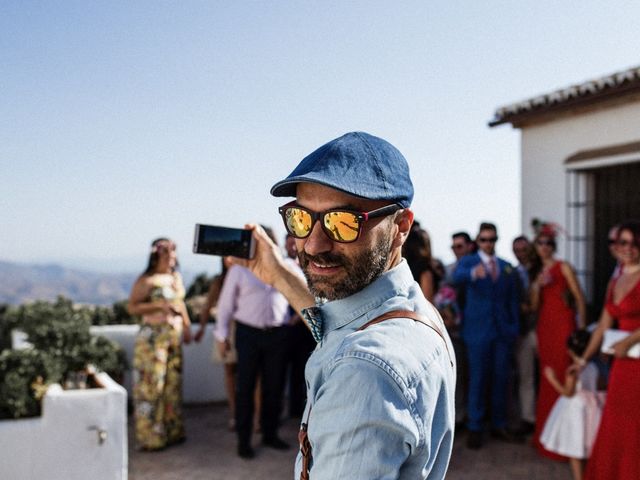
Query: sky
[122, 121]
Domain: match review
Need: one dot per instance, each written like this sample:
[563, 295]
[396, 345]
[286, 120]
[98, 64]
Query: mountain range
[20, 283]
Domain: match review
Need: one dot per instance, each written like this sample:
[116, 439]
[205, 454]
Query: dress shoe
[525, 428]
[276, 442]
[246, 452]
[474, 440]
[505, 435]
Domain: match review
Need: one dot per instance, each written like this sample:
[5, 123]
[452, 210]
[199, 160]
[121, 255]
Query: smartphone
[223, 241]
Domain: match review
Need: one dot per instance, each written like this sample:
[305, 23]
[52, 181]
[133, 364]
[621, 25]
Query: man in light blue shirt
[380, 396]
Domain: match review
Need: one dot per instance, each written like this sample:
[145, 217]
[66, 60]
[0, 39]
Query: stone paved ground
[209, 454]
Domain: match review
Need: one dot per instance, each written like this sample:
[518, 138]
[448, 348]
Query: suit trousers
[261, 353]
[488, 373]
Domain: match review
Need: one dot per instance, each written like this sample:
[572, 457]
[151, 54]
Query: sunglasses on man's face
[458, 246]
[487, 239]
[340, 225]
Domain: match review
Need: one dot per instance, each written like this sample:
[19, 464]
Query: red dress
[556, 321]
[616, 453]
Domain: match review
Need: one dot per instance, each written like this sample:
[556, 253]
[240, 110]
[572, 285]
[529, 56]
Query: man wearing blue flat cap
[380, 383]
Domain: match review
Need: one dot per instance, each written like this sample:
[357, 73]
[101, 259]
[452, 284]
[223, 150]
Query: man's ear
[403, 220]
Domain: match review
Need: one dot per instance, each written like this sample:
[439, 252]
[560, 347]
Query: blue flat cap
[358, 164]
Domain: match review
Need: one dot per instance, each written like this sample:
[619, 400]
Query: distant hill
[21, 283]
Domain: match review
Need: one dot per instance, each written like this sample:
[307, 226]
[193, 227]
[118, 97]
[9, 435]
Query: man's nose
[317, 241]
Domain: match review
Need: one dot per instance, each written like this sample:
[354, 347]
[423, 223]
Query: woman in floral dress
[158, 297]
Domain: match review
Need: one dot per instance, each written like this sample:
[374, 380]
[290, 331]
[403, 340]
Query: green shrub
[107, 356]
[6, 325]
[62, 345]
[200, 286]
[59, 330]
[102, 315]
[23, 378]
[121, 315]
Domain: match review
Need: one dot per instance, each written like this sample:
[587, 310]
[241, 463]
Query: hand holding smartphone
[223, 241]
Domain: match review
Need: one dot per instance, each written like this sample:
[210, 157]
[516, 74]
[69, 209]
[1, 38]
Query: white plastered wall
[545, 147]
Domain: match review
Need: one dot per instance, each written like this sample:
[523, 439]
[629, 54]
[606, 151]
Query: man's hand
[223, 348]
[479, 271]
[269, 266]
[200, 333]
[267, 261]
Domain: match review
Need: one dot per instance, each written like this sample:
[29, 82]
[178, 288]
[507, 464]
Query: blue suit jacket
[492, 308]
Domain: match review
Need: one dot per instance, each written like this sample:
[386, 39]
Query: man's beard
[358, 272]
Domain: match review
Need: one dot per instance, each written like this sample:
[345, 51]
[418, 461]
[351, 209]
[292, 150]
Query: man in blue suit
[489, 330]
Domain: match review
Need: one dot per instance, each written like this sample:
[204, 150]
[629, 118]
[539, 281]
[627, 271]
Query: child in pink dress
[571, 427]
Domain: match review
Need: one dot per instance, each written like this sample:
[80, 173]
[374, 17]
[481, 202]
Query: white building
[580, 156]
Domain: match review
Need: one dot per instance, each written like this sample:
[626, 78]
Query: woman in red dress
[557, 296]
[616, 452]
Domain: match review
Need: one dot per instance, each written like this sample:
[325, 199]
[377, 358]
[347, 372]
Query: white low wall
[64, 443]
[203, 379]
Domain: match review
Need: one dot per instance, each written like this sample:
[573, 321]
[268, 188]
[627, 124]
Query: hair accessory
[162, 245]
[548, 229]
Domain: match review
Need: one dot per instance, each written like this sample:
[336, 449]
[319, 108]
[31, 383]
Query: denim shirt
[380, 402]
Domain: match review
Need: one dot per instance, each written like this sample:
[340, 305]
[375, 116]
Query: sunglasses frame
[361, 217]
[487, 240]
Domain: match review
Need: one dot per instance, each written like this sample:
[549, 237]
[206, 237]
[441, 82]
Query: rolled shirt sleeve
[226, 304]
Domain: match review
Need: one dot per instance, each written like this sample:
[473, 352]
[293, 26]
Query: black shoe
[246, 452]
[474, 440]
[276, 442]
[525, 428]
[505, 435]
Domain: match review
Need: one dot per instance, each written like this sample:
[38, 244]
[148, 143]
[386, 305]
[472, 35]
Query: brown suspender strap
[414, 316]
[305, 445]
[305, 450]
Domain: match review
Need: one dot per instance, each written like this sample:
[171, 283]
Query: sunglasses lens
[342, 226]
[298, 222]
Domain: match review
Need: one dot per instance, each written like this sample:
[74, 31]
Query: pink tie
[493, 269]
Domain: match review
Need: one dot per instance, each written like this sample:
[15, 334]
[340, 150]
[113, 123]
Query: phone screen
[223, 241]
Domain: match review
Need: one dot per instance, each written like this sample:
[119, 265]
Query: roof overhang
[612, 89]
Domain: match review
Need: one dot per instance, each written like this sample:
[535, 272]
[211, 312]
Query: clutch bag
[612, 336]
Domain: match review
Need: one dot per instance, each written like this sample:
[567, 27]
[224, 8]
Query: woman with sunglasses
[158, 297]
[559, 301]
[615, 452]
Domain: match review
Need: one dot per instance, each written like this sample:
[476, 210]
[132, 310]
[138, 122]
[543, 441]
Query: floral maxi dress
[157, 371]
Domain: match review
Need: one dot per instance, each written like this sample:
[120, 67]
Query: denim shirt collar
[324, 318]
